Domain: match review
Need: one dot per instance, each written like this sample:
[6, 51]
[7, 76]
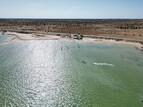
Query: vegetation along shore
[130, 30]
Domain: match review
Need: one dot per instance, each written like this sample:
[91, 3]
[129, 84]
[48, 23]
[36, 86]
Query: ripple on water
[58, 74]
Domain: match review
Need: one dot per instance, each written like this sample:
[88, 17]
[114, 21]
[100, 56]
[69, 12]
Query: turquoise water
[5, 38]
[60, 73]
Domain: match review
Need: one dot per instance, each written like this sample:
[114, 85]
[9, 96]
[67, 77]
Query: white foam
[103, 64]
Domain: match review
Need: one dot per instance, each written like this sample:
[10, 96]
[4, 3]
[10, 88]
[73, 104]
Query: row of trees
[131, 26]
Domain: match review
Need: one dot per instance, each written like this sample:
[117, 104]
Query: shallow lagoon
[64, 73]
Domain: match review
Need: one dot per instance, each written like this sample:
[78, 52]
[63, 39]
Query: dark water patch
[84, 62]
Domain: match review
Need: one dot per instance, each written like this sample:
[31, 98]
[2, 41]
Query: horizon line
[76, 18]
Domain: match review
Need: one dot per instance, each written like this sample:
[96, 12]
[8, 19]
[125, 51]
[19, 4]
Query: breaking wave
[103, 64]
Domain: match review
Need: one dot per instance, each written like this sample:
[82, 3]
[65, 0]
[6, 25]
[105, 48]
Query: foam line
[103, 64]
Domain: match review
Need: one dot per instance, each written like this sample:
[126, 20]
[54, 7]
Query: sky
[76, 9]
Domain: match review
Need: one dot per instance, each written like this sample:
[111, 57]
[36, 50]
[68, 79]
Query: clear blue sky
[71, 9]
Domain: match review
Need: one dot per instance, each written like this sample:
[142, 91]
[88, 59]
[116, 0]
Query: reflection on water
[37, 75]
[62, 74]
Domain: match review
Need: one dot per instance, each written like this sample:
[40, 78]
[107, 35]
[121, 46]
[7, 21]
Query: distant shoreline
[89, 39]
[129, 30]
[41, 35]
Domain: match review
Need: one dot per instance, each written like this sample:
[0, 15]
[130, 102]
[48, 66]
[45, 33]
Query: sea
[69, 73]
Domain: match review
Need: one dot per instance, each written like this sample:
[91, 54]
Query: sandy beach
[17, 37]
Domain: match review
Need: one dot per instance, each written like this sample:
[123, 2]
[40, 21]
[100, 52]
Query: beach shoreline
[86, 39]
[104, 31]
